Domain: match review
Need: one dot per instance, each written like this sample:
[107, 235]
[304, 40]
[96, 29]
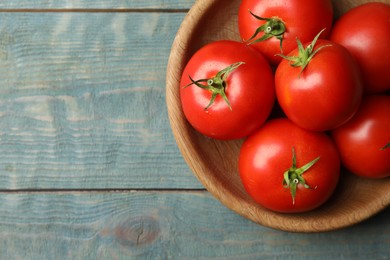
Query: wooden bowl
[215, 162]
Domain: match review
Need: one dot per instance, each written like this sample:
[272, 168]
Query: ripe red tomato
[281, 157]
[365, 32]
[319, 91]
[363, 142]
[227, 90]
[283, 21]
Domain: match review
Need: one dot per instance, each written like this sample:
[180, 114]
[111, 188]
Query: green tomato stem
[293, 176]
[273, 27]
[385, 147]
[217, 84]
[304, 55]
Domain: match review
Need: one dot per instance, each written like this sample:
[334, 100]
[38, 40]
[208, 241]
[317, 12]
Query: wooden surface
[89, 168]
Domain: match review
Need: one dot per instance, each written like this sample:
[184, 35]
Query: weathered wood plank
[82, 102]
[96, 4]
[164, 225]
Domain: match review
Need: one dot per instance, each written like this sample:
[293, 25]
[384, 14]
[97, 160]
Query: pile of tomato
[308, 93]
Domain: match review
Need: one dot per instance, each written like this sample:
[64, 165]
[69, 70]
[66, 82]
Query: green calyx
[305, 55]
[273, 27]
[217, 84]
[293, 176]
[387, 146]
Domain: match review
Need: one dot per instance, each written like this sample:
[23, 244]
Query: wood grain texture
[96, 4]
[82, 106]
[82, 102]
[164, 225]
[355, 200]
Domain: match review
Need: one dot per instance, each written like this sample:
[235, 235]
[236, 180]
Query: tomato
[365, 32]
[227, 90]
[319, 86]
[286, 168]
[363, 142]
[281, 22]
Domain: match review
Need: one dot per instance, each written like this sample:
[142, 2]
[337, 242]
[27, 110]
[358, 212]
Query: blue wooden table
[89, 168]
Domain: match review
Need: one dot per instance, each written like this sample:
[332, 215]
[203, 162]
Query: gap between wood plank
[94, 10]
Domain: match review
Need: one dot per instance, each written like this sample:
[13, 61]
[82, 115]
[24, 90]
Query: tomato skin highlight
[267, 154]
[326, 94]
[250, 91]
[303, 19]
[365, 32]
[361, 141]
